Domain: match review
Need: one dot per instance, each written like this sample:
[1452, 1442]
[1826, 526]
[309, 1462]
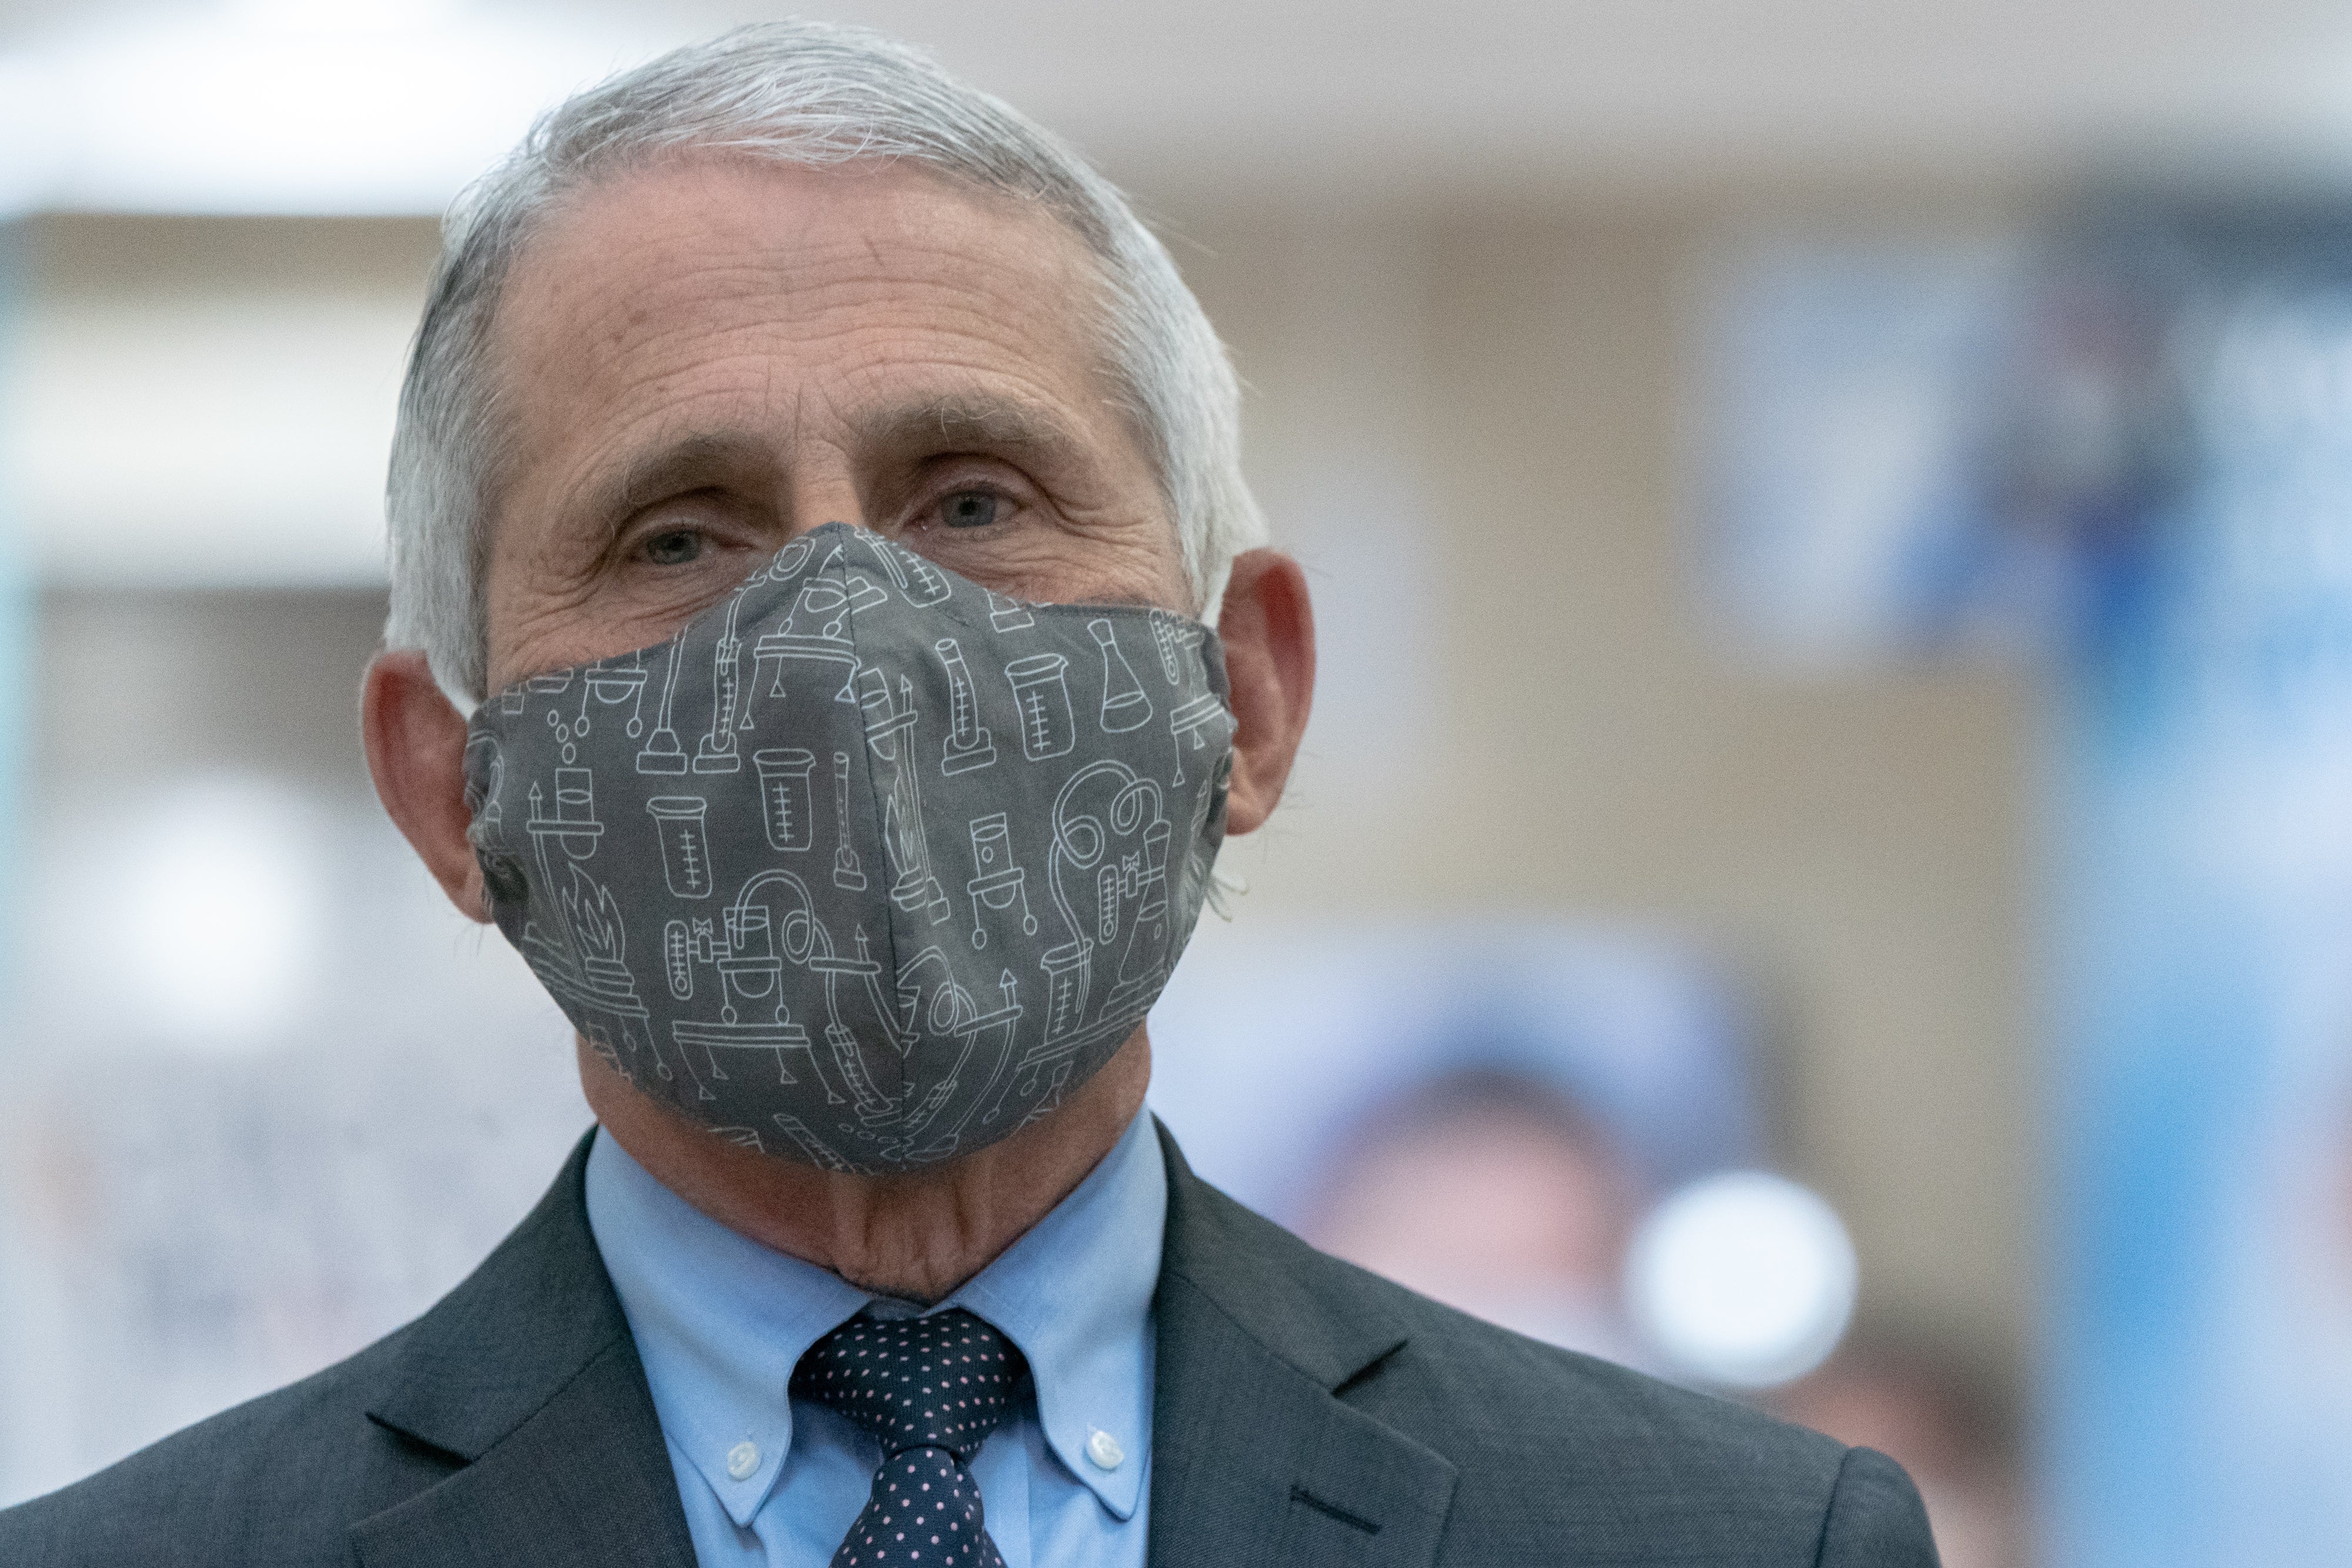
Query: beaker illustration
[1124, 706]
[1041, 690]
[679, 822]
[1007, 614]
[968, 744]
[787, 804]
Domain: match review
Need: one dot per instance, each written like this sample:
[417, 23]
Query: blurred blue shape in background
[2200, 1389]
[1853, 391]
[2125, 445]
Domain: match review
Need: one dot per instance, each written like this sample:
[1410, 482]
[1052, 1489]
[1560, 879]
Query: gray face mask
[868, 865]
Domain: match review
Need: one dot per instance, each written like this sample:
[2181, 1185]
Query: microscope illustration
[741, 945]
[1107, 875]
[772, 923]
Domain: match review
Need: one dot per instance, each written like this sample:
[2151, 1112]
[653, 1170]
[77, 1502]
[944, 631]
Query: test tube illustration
[575, 812]
[846, 873]
[680, 823]
[1124, 705]
[787, 804]
[717, 753]
[968, 744]
[919, 580]
[662, 755]
[1041, 690]
[1163, 635]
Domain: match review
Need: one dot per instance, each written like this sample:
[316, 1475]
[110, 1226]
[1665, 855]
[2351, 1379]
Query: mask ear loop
[1224, 886]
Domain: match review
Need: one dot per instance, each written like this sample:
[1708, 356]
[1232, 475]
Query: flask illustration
[1041, 690]
[1124, 706]
[787, 801]
[680, 823]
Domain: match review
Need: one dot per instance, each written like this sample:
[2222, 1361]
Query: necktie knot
[943, 1381]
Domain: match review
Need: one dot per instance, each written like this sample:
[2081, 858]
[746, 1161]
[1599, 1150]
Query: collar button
[1103, 1450]
[743, 1460]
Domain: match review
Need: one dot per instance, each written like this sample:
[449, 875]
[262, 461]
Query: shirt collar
[1075, 1293]
[721, 1321]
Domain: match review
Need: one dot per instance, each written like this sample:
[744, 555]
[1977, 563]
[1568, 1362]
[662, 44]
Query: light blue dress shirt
[720, 1321]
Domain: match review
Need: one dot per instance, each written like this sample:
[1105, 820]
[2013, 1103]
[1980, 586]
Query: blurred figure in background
[1491, 1191]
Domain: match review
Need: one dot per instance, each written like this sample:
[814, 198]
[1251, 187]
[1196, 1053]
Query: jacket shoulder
[275, 1481]
[1548, 1445]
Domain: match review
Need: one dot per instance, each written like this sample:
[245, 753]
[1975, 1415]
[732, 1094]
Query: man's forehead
[705, 219]
[757, 291]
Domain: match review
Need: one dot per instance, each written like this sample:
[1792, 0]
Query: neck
[916, 1236]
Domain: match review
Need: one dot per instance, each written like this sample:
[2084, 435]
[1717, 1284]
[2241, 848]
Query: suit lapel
[1254, 1460]
[527, 1379]
[526, 1376]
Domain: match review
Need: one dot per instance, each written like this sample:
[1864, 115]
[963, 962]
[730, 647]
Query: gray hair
[814, 95]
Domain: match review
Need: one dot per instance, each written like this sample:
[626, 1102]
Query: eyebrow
[716, 456]
[1003, 423]
[690, 463]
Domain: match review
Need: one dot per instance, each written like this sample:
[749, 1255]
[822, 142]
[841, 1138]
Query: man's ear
[1268, 630]
[416, 752]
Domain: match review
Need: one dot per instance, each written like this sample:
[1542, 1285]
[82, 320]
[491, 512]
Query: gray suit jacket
[1306, 1412]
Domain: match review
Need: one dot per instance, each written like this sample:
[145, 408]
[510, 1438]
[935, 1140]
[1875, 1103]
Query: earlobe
[416, 741]
[1267, 628]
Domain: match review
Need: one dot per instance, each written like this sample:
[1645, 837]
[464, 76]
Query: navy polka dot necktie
[930, 1389]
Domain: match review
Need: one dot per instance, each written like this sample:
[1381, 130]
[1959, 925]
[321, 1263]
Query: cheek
[1137, 563]
[540, 616]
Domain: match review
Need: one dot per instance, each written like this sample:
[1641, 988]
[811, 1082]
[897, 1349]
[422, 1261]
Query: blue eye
[968, 509]
[675, 548]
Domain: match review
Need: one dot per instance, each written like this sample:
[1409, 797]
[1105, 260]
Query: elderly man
[816, 489]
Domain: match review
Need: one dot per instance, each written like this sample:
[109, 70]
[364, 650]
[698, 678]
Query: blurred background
[1822, 866]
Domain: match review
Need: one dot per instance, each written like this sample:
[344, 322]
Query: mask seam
[882, 864]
